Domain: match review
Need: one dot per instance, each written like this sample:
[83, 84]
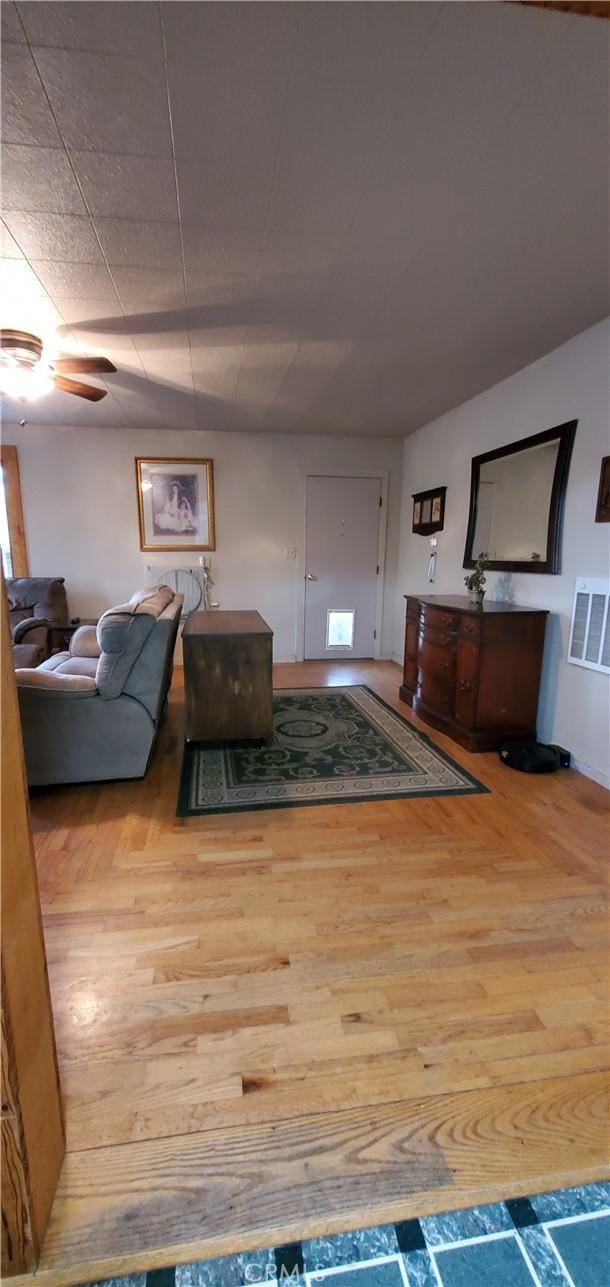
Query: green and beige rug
[329, 745]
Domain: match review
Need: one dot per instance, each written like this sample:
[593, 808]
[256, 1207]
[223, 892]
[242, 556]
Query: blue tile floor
[559, 1239]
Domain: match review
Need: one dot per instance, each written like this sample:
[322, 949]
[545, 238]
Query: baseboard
[589, 772]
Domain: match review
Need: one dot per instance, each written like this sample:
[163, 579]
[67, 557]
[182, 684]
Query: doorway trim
[303, 475]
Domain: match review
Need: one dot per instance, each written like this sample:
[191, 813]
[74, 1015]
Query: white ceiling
[323, 218]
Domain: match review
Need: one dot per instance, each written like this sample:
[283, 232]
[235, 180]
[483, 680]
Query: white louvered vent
[590, 632]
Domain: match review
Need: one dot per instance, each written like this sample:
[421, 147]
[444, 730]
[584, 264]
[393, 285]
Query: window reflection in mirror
[513, 504]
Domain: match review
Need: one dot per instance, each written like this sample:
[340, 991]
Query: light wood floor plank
[301, 1021]
[223, 1190]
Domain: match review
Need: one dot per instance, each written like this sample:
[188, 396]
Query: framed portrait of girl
[175, 503]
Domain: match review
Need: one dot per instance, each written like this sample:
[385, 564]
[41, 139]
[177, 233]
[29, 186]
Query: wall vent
[590, 630]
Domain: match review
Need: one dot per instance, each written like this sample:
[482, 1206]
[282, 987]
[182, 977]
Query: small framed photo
[175, 503]
[429, 511]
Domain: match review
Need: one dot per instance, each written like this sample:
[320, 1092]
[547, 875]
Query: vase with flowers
[476, 580]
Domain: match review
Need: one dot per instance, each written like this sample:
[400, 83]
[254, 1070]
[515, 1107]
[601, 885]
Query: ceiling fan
[26, 373]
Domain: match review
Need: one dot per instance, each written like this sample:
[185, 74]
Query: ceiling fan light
[25, 383]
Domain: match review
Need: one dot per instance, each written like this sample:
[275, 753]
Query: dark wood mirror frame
[564, 434]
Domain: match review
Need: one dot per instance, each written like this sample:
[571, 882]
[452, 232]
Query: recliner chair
[92, 714]
[34, 604]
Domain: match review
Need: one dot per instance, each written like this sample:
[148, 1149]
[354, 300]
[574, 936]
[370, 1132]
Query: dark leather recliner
[35, 604]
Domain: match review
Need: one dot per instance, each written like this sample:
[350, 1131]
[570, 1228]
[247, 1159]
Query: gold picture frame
[175, 503]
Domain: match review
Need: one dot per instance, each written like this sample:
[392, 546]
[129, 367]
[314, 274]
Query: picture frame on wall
[175, 503]
[602, 512]
[429, 511]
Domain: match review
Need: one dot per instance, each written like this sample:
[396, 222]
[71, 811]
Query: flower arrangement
[476, 580]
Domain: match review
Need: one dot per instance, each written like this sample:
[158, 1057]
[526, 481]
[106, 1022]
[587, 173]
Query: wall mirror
[517, 495]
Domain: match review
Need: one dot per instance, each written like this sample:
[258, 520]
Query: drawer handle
[447, 621]
[443, 665]
[469, 626]
[464, 686]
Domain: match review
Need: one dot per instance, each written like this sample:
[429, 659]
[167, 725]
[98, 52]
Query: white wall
[81, 514]
[572, 382]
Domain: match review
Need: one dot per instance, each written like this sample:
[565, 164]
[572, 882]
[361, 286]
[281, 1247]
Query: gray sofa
[92, 714]
[34, 604]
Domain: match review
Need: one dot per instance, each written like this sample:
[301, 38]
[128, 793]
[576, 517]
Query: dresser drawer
[438, 661]
[439, 618]
[435, 693]
[470, 627]
[441, 638]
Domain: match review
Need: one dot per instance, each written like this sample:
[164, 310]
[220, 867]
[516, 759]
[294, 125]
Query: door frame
[303, 475]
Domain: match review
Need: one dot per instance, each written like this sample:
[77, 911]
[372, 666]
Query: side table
[227, 677]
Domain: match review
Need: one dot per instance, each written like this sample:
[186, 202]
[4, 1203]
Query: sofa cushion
[121, 634]
[27, 654]
[52, 682]
[77, 666]
[56, 660]
[63, 663]
[84, 642]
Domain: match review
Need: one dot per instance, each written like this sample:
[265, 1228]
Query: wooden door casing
[32, 1119]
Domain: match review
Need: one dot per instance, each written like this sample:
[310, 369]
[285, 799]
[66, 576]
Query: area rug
[329, 745]
[559, 1239]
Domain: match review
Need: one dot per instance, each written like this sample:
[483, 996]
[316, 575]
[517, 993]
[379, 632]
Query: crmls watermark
[269, 1272]
[255, 1273]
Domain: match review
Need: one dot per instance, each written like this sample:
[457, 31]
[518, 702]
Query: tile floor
[559, 1239]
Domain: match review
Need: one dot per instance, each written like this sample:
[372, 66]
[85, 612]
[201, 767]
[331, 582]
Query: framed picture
[602, 513]
[429, 511]
[175, 503]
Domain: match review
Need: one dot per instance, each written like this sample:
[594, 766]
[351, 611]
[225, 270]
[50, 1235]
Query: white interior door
[341, 573]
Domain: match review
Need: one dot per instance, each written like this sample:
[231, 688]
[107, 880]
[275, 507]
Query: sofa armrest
[31, 623]
[84, 642]
[49, 681]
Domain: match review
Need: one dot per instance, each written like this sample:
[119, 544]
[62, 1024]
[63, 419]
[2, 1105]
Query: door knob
[309, 576]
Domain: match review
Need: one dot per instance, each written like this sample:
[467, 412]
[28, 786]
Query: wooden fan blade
[81, 390]
[83, 365]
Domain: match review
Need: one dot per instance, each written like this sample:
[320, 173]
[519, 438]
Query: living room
[321, 552]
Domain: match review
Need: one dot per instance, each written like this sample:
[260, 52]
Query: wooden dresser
[473, 672]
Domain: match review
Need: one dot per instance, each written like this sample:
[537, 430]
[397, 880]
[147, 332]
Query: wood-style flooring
[307, 1020]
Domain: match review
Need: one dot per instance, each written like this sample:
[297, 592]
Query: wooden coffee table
[227, 677]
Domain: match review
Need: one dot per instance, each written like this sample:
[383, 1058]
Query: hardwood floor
[308, 1020]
